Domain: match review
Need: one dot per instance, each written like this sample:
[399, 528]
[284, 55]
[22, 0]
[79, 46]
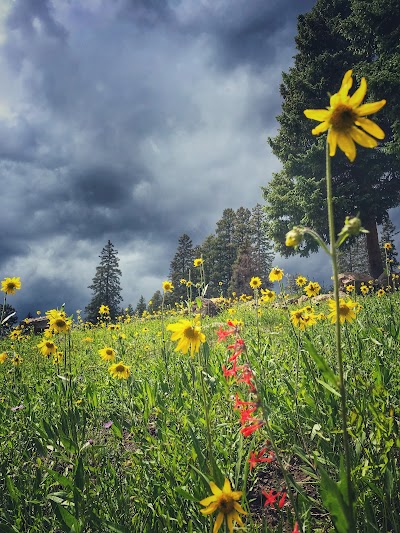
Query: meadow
[121, 426]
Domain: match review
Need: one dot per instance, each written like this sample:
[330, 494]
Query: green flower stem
[333, 254]
[207, 417]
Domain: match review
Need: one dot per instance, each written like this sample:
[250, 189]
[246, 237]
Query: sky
[133, 121]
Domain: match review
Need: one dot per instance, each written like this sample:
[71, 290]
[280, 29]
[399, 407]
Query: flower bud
[352, 225]
[294, 237]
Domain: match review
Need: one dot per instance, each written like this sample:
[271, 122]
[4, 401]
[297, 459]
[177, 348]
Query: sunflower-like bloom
[267, 295]
[107, 354]
[3, 357]
[347, 310]
[345, 119]
[255, 282]
[380, 293]
[198, 262]
[276, 274]
[388, 246]
[119, 370]
[104, 310]
[226, 502]
[189, 335]
[303, 318]
[58, 321]
[10, 285]
[167, 286]
[301, 280]
[312, 289]
[364, 289]
[47, 347]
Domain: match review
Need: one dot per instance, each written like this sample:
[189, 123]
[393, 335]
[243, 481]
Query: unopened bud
[294, 237]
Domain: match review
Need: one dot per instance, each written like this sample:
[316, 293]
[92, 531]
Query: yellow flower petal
[239, 508]
[346, 144]
[347, 83]
[227, 487]
[332, 140]
[370, 127]
[359, 95]
[236, 494]
[362, 138]
[218, 522]
[210, 509]
[214, 489]
[320, 128]
[368, 109]
[317, 114]
[207, 501]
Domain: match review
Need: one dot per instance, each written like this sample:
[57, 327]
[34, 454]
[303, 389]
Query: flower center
[119, 368]
[190, 333]
[60, 323]
[109, 352]
[343, 118]
[344, 310]
[225, 503]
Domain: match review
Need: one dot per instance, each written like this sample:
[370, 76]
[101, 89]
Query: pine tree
[261, 246]
[353, 255]
[181, 267]
[141, 306]
[155, 302]
[106, 284]
[242, 272]
[388, 232]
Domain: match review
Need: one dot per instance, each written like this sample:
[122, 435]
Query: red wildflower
[240, 404]
[228, 372]
[245, 415]
[260, 458]
[272, 496]
[237, 348]
[222, 334]
[247, 377]
[296, 528]
[248, 430]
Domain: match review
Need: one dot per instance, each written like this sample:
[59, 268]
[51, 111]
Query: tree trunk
[374, 252]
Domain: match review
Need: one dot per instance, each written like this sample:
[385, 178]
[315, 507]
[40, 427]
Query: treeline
[236, 251]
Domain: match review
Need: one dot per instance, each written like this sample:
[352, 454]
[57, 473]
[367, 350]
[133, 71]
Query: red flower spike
[259, 458]
[282, 500]
[222, 334]
[270, 497]
[248, 430]
[296, 528]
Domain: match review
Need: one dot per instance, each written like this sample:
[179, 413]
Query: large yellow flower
[255, 282]
[345, 119]
[312, 289]
[58, 321]
[276, 274]
[120, 371]
[47, 347]
[167, 286]
[189, 335]
[107, 354]
[198, 262]
[347, 310]
[10, 285]
[104, 310]
[226, 502]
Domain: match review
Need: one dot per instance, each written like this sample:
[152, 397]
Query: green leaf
[333, 500]
[322, 365]
[185, 494]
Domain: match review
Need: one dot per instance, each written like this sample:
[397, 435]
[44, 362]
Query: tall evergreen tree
[337, 35]
[242, 272]
[156, 302]
[105, 286]
[353, 255]
[181, 268]
[388, 233]
[261, 246]
[141, 306]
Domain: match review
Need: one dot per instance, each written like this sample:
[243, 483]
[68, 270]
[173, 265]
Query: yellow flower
[226, 502]
[38, 312]
[87, 339]
[197, 262]
[380, 292]
[267, 295]
[16, 360]
[3, 357]
[294, 237]
[364, 289]
[57, 358]
[189, 284]
[349, 288]
[107, 354]
[276, 274]
[387, 246]
[182, 281]
[58, 321]
[302, 318]
[301, 280]
[167, 286]
[120, 371]
[345, 119]
[347, 310]
[312, 289]
[255, 282]
[104, 310]
[189, 335]
[10, 285]
[47, 347]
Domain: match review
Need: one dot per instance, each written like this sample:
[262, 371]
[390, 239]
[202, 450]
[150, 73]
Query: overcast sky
[134, 121]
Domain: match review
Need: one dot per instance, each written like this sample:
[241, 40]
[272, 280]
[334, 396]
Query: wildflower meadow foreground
[280, 413]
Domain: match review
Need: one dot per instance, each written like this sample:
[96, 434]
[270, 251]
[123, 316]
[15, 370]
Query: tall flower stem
[206, 414]
[342, 387]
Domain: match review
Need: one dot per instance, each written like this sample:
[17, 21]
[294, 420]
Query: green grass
[174, 427]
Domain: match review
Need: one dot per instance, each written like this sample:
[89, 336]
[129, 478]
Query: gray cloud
[134, 121]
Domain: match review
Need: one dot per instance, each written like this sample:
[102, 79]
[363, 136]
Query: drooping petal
[362, 138]
[368, 109]
[236, 494]
[346, 144]
[317, 114]
[359, 95]
[239, 508]
[218, 522]
[207, 501]
[370, 127]
[236, 517]
[332, 140]
[210, 509]
[347, 83]
[214, 489]
[320, 128]
[229, 520]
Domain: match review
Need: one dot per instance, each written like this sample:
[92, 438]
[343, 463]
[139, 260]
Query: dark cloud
[134, 121]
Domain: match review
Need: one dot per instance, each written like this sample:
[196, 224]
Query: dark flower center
[343, 118]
